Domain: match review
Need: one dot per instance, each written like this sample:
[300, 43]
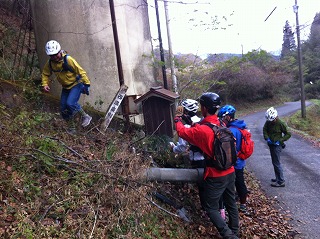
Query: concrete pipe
[174, 174]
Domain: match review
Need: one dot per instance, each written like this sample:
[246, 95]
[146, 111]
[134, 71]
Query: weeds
[66, 187]
[309, 125]
[65, 190]
[57, 186]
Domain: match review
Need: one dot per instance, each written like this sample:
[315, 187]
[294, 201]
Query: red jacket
[202, 136]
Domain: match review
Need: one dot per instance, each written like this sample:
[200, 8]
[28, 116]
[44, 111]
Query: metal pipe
[116, 42]
[165, 83]
[174, 174]
[119, 62]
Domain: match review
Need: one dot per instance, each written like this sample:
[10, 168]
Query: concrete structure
[84, 29]
[173, 174]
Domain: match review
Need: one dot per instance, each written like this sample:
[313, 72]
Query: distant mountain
[191, 58]
[212, 58]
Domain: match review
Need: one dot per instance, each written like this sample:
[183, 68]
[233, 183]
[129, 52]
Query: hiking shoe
[86, 120]
[273, 180]
[243, 208]
[278, 184]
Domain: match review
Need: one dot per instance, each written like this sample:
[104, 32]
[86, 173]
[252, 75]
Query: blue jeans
[275, 151]
[69, 105]
[214, 189]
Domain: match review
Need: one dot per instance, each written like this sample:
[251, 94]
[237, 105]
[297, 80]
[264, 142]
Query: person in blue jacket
[227, 115]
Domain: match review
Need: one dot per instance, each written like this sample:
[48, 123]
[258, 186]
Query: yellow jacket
[67, 79]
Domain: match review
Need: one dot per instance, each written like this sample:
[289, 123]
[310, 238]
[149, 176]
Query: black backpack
[224, 147]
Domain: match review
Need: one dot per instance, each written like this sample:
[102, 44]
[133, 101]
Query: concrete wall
[84, 30]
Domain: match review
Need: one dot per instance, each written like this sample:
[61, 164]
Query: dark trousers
[199, 164]
[241, 186]
[275, 151]
[214, 189]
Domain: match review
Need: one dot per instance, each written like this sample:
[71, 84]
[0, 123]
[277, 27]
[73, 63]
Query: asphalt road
[300, 160]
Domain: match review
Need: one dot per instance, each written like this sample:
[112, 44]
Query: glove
[179, 111]
[177, 119]
[187, 119]
[178, 114]
[85, 89]
[269, 141]
[277, 143]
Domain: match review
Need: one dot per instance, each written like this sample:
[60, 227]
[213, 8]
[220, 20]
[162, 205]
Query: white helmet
[52, 47]
[271, 114]
[190, 105]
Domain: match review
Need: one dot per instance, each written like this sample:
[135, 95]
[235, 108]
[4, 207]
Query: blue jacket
[233, 126]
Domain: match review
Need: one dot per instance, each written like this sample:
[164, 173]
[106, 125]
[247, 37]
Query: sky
[244, 25]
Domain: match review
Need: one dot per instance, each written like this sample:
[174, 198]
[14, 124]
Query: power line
[270, 13]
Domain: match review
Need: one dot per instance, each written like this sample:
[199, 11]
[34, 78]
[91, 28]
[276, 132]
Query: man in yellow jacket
[74, 82]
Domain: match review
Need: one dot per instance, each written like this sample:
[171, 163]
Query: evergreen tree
[314, 38]
[289, 43]
[311, 57]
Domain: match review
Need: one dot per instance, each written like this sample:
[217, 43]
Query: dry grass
[308, 127]
[54, 185]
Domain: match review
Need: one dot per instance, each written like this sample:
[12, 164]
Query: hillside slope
[55, 185]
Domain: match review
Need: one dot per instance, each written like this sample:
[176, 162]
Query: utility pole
[241, 50]
[165, 84]
[303, 102]
[172, 65]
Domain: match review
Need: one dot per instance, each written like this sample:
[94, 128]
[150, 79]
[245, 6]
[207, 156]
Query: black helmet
[210, 100]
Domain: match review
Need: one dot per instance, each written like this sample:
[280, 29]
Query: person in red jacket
[217, 183]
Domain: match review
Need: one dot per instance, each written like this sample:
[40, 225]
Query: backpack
[224, 148]
[65, 65]
[247, 144]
